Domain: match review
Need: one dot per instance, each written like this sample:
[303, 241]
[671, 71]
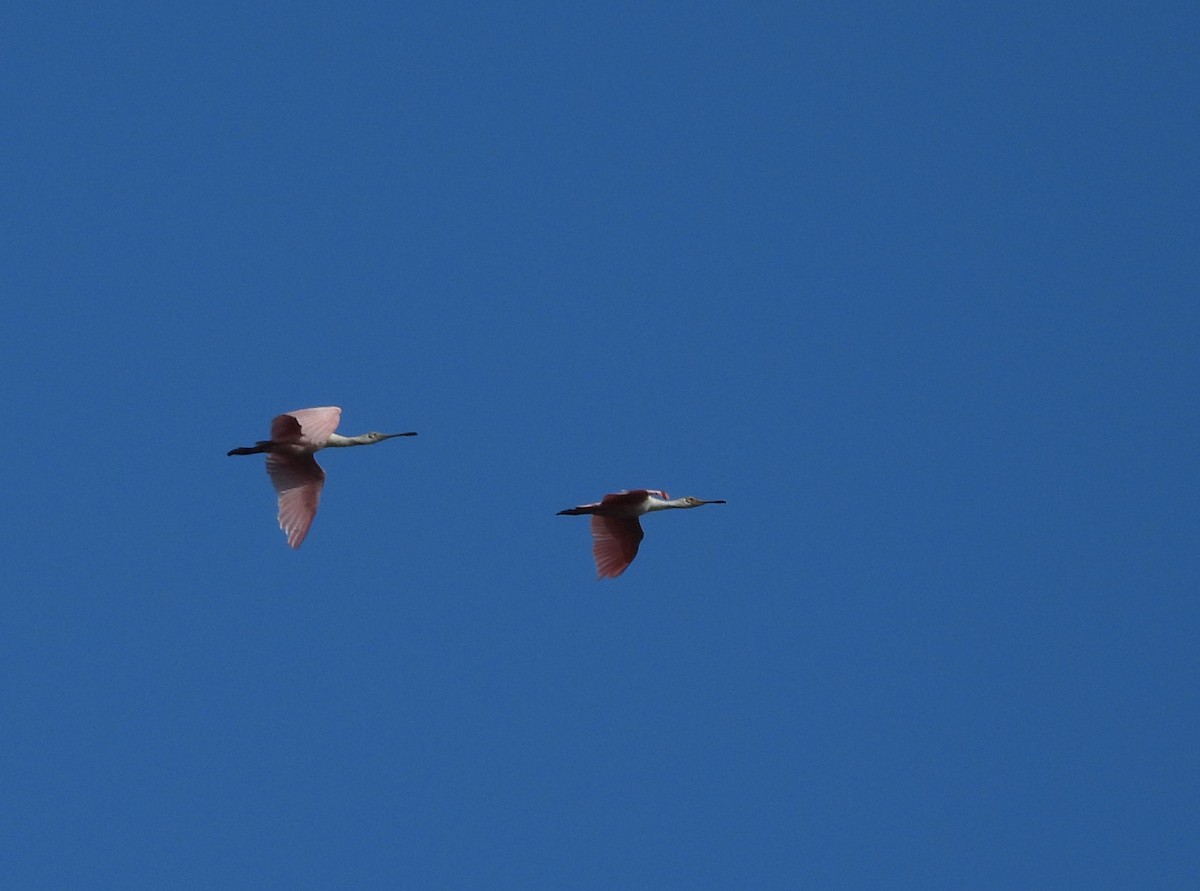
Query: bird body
[294, 472]
[616, 525]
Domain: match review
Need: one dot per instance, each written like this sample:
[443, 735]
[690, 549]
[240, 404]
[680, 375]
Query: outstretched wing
[615, 543]
[306, 426]
[297, 480]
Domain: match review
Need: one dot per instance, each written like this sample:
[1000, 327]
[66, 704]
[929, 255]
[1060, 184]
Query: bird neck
[653, 502]
[337, 441]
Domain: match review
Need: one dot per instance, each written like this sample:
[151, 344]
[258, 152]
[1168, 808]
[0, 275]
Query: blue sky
[912, 286]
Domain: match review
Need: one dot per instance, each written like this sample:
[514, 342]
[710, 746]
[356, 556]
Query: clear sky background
[912, 285]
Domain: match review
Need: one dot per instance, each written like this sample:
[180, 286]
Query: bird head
[696, 502]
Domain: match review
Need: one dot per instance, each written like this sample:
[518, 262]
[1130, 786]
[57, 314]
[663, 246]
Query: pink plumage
[615, 542]
[295, 473]
[616, 527]
[298, 480]
[306, 426]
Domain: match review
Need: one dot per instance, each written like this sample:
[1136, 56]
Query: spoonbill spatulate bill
[616, 529]
[294, 472]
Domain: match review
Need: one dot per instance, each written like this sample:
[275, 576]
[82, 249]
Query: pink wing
[306, 426]
[298, 480]
[615, 543]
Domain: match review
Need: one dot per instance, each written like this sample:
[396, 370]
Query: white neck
[336, 440]
[653, 502]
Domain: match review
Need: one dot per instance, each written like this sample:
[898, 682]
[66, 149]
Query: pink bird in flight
[616, 531]
[294, 471]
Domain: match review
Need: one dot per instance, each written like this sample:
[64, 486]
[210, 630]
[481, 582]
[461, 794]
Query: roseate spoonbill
[616, 532]
[294, 471]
